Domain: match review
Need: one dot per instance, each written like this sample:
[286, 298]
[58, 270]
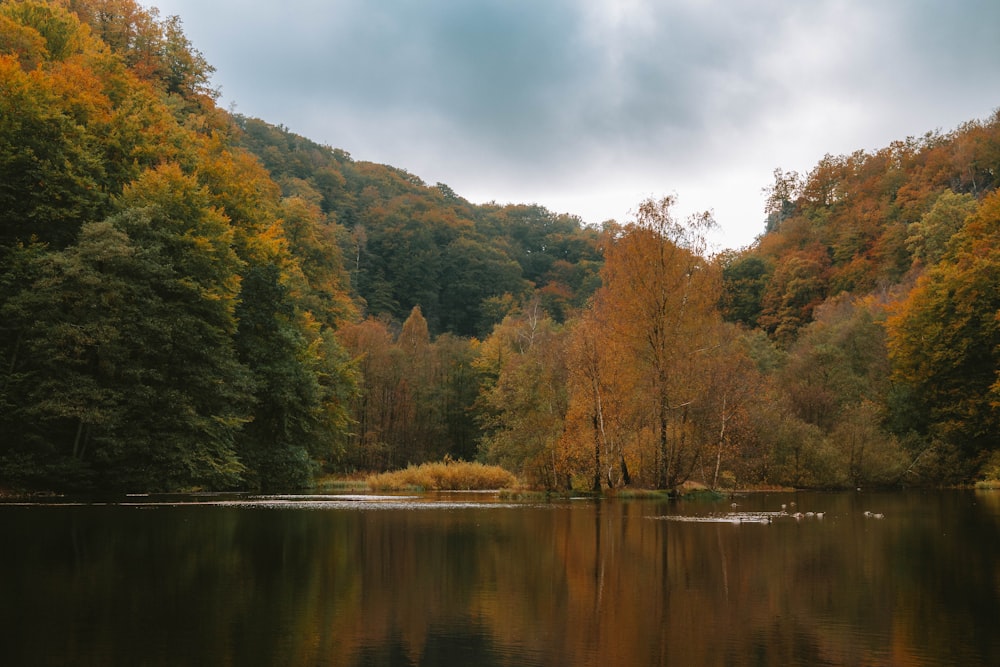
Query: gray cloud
[587, 106]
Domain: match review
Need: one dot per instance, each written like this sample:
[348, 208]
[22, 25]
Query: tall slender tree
[663, 292]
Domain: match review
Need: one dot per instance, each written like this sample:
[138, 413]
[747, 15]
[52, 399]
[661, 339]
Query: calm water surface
[470, 579]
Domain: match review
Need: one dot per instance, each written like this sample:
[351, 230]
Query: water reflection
[476, 580]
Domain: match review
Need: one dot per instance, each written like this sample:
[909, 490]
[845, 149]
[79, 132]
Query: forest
[194, 299]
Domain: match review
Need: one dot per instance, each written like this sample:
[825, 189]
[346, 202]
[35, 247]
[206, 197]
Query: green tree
[473, 273]
[744, 278]
[797, 285]
[524, 396]
[125, 366]
[291, 294]
[50, 168]
[324, 288]
[840, 360]
[945, 338]
[456, 393]
[837, 378]
[928, 237]
[275, 444]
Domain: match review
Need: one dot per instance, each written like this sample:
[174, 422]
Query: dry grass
[444, 476]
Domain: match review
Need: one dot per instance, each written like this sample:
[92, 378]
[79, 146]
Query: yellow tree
[944, 339]
[600, 388]
[322, 283]
[524, 395]
[728, 380]
[663, 294]
[586, 396]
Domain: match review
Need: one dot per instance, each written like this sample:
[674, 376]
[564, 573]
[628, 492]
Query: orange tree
[663, 294]
[944, 339]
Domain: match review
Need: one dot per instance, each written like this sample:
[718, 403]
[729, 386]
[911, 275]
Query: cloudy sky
[590, 106]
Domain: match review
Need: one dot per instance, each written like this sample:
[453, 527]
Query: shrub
[445, 475]
[989, 472]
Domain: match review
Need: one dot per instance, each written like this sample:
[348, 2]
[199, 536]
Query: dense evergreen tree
[159, 329]
[125, 368]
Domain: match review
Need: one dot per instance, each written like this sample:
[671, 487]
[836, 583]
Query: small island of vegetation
[445, 475]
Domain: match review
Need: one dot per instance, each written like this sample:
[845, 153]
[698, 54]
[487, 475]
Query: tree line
[195, 299]
[168, 318]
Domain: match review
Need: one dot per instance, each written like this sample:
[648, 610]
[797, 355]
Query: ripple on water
[731, 517]
[301, 502]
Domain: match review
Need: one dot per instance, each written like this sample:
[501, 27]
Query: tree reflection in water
[480, 582]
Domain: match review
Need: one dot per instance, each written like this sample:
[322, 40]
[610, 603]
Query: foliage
[989, 472]
[416, 398]
[661, 297]
[597, 420]
[856, 222]
[745, 278]
[929, 237]
[945, 337]
[446, 475]
[408, 244]
[524, 396]
[909, 230]
[159, 329]
[125, 361]
[194, 299]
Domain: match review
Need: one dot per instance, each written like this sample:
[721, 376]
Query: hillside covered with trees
[195, 299]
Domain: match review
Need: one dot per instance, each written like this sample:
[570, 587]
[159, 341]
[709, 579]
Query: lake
[471, 579]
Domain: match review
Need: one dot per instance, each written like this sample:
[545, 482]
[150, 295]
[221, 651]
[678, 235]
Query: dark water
[470, 580]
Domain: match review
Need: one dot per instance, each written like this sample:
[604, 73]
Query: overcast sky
[590, 106]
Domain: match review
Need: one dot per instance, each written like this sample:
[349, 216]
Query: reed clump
[447, 475]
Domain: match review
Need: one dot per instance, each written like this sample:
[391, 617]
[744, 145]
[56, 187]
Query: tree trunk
[626, 478]
[718, 452]
[80, 440]
[597, 455]
[664, 466]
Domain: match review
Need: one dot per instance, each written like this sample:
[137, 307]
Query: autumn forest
[194, 299]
